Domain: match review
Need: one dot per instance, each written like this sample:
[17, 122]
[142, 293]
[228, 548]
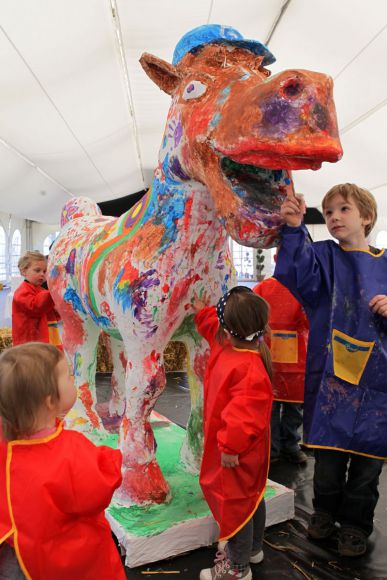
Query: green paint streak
[109, 249]
[113, 332]
[228, 163]
[195, 431]
[187, 501]
[187, 327]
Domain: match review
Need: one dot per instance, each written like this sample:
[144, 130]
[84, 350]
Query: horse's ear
[165, 75]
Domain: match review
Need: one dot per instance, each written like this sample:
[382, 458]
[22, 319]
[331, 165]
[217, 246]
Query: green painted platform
[154, 532]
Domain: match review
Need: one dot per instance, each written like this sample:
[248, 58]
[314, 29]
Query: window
[381, 239]
[243, 259]
[50, 239]
[15, 252]
[2, 254]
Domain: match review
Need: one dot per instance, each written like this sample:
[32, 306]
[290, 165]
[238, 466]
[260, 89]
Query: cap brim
[255, 47]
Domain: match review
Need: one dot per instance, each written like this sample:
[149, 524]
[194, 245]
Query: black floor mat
[289, 554]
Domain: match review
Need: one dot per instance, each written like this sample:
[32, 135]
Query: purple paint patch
[177, 169]
[70, 266]
[176, 132]
[279, 117]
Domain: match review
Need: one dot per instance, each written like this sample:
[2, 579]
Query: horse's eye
[194, 90]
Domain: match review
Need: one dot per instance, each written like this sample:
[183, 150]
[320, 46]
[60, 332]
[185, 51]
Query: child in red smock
[237, 408]
[54, 483]
[288, 342]
[33, 315]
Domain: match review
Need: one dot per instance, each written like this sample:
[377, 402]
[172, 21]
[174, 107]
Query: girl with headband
[237, 409]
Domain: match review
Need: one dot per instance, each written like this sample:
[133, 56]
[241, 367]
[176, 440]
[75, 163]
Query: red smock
[288, 340]
[30, 307]
[237, 409]
[53, 493]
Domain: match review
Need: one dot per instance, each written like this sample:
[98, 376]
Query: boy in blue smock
[341, 285]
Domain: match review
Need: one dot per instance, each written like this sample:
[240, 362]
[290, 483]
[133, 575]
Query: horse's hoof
[143, 484]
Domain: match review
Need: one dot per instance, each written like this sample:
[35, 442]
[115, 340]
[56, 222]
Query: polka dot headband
[220, 307]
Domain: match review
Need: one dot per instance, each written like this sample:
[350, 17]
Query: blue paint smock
[346, 368]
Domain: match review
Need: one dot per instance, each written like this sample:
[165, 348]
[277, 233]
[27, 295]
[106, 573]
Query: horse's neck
[172, 199]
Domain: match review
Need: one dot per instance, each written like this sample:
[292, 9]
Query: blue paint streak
[72, 297]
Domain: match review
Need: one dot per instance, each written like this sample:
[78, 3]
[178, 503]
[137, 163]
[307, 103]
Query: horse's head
[237, 131]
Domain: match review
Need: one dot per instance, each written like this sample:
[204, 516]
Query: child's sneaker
[352, 542]
[321, 526]
[256, 557]
[225, 570]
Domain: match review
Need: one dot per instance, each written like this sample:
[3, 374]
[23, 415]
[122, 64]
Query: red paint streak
[187, 214]
[179, 293]
[200, 364]
[155, 356]
[144, 483]
[124, 360]
[130, 273]
[165, 288]
[125, 427]
[196, 245]
[87, 400]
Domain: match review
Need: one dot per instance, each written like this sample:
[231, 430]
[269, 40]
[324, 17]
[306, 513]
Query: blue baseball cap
[213, 33]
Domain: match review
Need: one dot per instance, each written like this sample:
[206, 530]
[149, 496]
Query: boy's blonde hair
[28, 376]
[26, 260]
[364, 200]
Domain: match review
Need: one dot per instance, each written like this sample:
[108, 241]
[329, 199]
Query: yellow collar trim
[245, 349]
[57, 432]
[364, 251]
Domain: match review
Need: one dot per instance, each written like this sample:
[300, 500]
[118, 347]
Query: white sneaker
[256, 557]
[223, 570]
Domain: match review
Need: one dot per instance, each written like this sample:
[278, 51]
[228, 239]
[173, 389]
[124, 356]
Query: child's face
[35, 273]
[66, 387]
[344, 221]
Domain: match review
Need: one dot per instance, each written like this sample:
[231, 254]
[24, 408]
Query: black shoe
[297, 457]
[352, 542]
[321, 526]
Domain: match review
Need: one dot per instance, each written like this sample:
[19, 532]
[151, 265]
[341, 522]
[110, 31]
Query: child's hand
[200, 302]
[293, 209]
[229, 460]
[378, 304]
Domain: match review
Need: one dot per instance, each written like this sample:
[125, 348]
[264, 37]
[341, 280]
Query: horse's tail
[78, 207]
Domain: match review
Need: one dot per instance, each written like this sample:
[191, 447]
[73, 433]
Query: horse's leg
[80, 338]
[197, 357]
[112, 411]
[143, 481]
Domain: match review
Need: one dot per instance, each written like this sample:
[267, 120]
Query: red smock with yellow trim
[53, 493]
[289, 337]
[30, 307]
[237, 409]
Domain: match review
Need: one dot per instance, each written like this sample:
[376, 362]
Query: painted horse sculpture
[232, 135]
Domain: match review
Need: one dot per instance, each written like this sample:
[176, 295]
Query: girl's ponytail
[264, 351]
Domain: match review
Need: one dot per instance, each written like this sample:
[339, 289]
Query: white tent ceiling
[78, 116]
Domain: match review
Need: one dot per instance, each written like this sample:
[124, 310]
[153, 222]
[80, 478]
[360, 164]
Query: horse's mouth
[259, 187]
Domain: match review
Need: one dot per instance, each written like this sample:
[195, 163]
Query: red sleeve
[258, 289]
[247, 415]
[95, 473]
[33, 303]
[207, 323]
